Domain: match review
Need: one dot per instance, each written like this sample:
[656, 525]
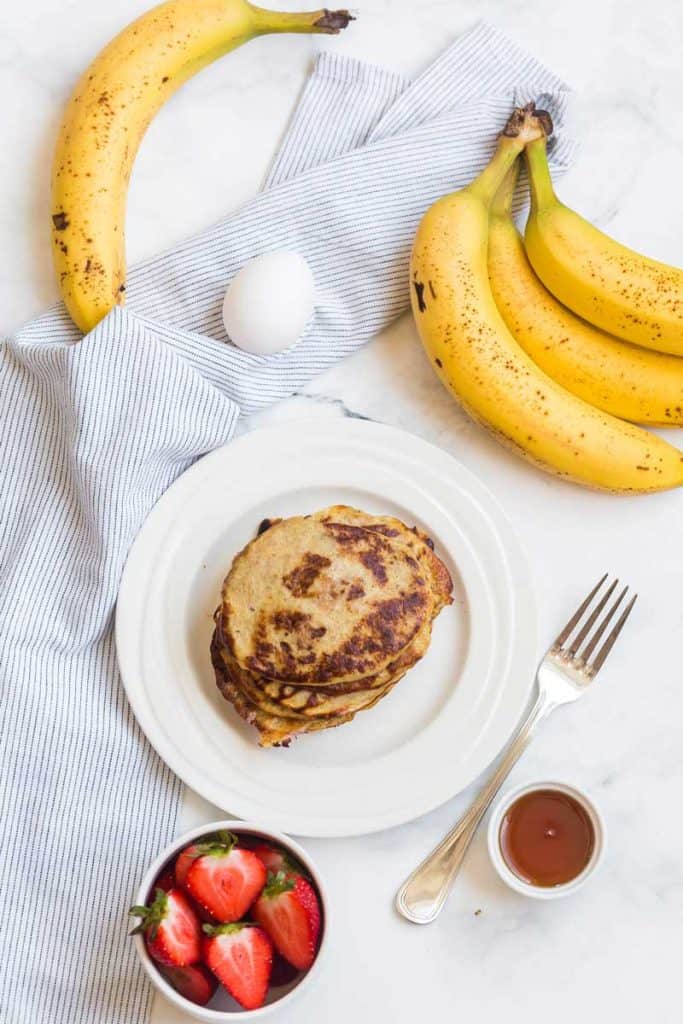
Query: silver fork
[564, 675]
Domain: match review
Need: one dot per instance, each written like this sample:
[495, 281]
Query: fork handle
[424, 892]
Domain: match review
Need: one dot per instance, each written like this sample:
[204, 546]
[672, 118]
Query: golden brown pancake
[276, 688]
[304, 702]
[415, 541]
[320, 617]
[329, 706]
[274, 730]
[317, 599]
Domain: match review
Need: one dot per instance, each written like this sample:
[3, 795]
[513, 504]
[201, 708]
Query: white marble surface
[612, 953]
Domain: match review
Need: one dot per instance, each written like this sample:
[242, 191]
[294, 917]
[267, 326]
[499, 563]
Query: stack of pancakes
[320, 617]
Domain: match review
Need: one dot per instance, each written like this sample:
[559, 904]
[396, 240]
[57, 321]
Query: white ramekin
[204, 1013]
[538, 892]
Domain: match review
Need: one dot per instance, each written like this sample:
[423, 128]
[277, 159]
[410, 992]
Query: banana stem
[525, 125]
[323, 21]
[489, 181]
[542, 191]
[502, 201]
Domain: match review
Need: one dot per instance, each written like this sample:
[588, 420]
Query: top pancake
[331, 597]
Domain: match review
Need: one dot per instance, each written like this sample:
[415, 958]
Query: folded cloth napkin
[94, 430]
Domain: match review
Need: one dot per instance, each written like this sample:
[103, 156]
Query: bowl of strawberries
[230, 921]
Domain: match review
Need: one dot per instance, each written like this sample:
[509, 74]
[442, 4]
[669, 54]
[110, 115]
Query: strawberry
[206, 844]
[178, 876]
[241, 957]
[170, 927]
[166, 880]
[276, 860]
[289, 911]
[225, 879]
[181, 867]
[184, 862]
[195, 983]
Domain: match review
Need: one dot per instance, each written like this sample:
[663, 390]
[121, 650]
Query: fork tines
[589, 635]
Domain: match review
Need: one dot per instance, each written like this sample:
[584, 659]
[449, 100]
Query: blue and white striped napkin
[93, 432]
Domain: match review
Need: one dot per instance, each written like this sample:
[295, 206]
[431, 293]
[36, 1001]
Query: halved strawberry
[171, 929]
[225, 879]
[188, 856]
[179, 875]
[195, 983]
[275, 860]
[289, 911]
[184, 862]
[241, 957]
[165, 881]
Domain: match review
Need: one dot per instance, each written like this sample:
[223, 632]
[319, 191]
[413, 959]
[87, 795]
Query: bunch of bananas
[559, 342]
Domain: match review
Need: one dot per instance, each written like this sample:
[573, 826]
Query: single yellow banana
[495, 380]
[624, 293]
[106, 117]
[633, 383]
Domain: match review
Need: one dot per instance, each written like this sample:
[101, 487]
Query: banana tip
[332, 22]
[529, 123]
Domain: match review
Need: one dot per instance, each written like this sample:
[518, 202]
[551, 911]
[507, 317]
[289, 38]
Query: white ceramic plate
[440, 726]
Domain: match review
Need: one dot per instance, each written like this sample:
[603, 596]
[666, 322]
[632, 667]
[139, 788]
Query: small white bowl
[205, 1013]
[539, 892]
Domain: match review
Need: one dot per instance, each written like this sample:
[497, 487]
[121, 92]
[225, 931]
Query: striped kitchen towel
[93, 432]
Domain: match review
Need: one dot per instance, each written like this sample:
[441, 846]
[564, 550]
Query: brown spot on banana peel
[60, 221]
[420, 295]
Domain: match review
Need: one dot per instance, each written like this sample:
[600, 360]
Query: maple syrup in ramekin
[546, 838]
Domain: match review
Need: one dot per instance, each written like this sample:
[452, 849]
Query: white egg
[269, 302]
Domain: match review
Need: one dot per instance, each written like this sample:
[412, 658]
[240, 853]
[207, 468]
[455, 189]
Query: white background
[612, 953]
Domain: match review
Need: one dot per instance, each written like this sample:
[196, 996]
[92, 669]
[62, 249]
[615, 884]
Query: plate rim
[524, 648]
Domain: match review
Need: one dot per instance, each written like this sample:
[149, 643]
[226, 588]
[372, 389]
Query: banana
[624, 293]
[106, 118]
[633, 383]
[477, 358]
